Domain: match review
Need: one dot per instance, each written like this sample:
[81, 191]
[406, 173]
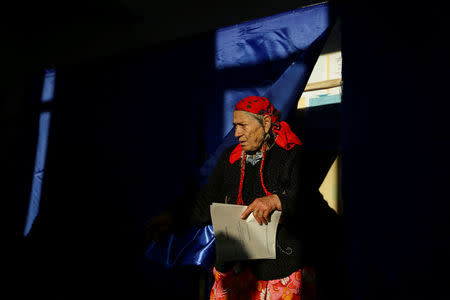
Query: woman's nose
[237, 132]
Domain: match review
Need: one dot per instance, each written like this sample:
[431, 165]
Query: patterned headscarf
[284, 137]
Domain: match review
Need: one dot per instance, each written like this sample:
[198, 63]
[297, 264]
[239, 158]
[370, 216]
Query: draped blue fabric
[194, 248]
[271, 57]
[41, 151]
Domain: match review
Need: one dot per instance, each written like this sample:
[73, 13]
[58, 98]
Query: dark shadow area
[123, 143]
[230, 242]
[319, 129]
[127, 138]
[395, 169]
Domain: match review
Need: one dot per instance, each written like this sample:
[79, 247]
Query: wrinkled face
[248, 131]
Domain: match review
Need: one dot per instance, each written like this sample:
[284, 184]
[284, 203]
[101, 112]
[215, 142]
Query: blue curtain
[48, 89]
[131, 133]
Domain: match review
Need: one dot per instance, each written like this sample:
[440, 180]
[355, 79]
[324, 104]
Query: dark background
[394, 130]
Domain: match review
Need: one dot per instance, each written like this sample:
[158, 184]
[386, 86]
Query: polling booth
[119, 139]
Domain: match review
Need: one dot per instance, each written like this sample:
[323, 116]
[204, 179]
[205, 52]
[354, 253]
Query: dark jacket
[282, 177]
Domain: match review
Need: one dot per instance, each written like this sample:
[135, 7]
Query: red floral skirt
[233, 285]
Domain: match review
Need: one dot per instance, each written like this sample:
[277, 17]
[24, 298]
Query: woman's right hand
[159, 226]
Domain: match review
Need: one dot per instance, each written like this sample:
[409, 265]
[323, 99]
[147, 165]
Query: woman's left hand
[262, 208]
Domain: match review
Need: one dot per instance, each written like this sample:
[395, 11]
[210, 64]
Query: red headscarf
[284, 137]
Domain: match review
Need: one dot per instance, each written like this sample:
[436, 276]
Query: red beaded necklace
[240, 201]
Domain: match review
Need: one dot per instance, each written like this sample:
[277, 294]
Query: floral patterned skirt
[233, 285]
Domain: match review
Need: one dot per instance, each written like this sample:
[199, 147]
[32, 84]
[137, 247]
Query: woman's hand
[159, 226]
[262, 208]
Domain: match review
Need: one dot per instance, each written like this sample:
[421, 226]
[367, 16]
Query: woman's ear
[267, 121]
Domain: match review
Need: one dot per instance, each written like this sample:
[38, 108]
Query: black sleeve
[199, 212]
[292, 197]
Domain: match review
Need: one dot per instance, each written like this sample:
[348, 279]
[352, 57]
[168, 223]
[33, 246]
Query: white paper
[238, 239]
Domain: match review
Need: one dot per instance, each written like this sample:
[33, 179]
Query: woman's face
[248, 131]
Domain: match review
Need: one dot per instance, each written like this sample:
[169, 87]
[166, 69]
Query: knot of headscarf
[284, 137]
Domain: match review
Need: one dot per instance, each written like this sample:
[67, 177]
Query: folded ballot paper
[238, 239]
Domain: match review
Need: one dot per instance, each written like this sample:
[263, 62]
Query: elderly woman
[262, 172]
